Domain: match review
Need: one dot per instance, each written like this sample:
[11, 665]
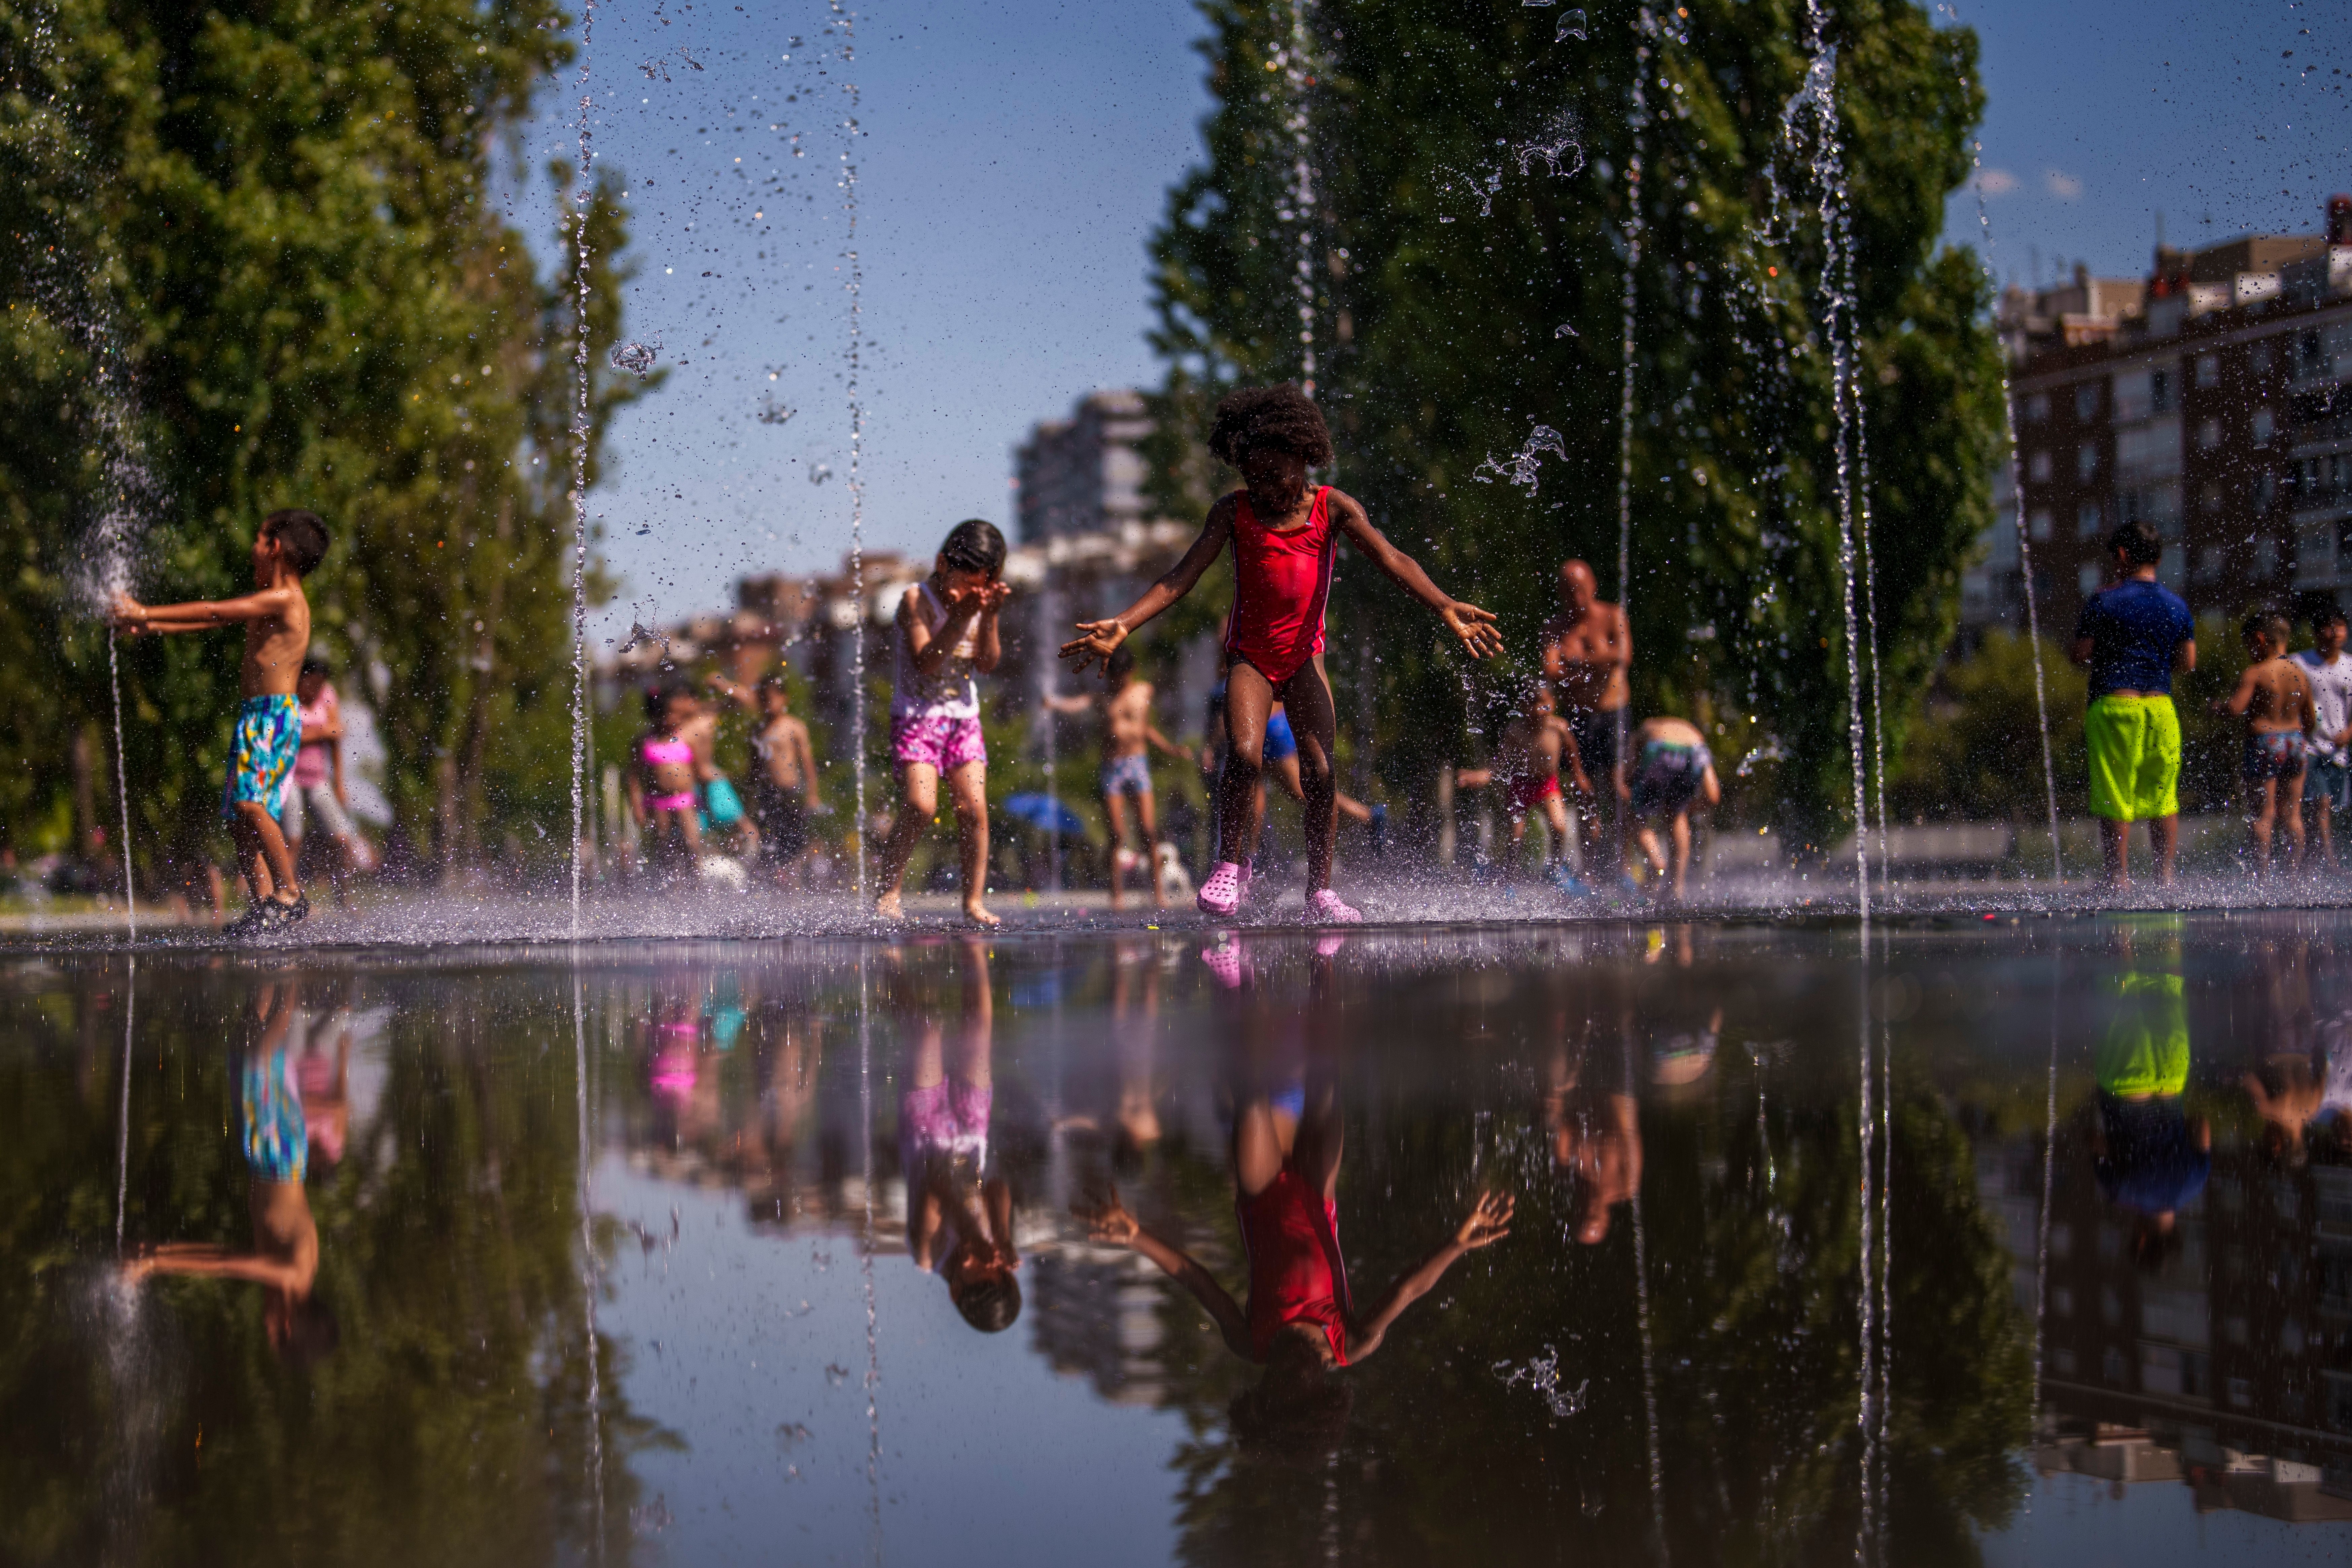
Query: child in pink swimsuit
[662, 801]
[946, 633]
[1283, 534]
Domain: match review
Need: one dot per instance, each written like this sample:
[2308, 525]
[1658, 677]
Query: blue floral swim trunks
[261, 752]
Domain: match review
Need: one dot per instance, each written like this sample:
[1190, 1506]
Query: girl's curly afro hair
[1280, 417]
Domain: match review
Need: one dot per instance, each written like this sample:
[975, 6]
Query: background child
[946, 632]
[1671, 768]
[316, 789]
[783, 773]
[662, 800]
[2275, 698]
[1534, 750]
[1283, 535]
[1128, 734]
[287, 548]
[2134, 634]
[2328, 774]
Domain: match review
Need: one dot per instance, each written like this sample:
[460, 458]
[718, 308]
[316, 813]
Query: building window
[2258, 358]
[2208, 495]
[2086, 401]
[2037, 408]
[2209, 563]
[2037, 524]
[2088, 519]
[2111, 1366]
[2208, 370]
[2062, 1360]
[2086, 463]
[2209, 434]
[2159, 391]
[2265, 558]
[2037, 467]
[2265, 425]
[2087, 581]
[2242, 1392]
[2265, 490]
[2315, 353]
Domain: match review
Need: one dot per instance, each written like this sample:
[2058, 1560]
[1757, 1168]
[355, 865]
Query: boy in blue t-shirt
[2133, 635]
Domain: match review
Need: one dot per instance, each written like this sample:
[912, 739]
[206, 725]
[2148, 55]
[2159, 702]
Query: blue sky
[1015, 158]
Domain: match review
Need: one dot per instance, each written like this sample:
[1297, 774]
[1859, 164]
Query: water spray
[583, 191]
[847, 20]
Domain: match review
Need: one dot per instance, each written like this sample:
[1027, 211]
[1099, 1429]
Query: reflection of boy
[959, 1211]
[2150, 1157]
[276, 1145]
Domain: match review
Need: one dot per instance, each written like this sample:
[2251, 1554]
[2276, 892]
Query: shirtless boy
[2274, 697]
[1586, 649]
[1128, 734]
[783, 772]
[287, 548]
[1534, 749]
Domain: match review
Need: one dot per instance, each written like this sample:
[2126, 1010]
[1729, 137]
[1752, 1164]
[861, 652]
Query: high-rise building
[1083, 474]
[2209, 401]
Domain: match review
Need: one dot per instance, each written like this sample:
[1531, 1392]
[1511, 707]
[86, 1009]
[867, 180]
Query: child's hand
[126, 612]
[1488, 1223]
[995, 595]
[1475, 627]
[1107, 1219]
[1098, 639]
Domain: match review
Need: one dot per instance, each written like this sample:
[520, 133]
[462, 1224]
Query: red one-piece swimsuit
[1281, 580]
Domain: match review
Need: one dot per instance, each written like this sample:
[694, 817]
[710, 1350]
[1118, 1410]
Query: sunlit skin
[1588, 648]
[1275, 480]
[2273, 698]
[2328, 639]
[277, 621]
[973, 600]
[2163, 832]
[307, 688]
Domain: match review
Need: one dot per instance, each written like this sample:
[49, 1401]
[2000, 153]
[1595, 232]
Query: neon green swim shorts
[2135, 746]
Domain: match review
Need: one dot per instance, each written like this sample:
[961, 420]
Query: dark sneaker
[250, 923]
[285, 914]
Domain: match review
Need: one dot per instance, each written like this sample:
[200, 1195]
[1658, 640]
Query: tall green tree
[257, 257]
[1469, 250]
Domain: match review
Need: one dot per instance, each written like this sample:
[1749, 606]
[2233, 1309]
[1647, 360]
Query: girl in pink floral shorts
[946, 632]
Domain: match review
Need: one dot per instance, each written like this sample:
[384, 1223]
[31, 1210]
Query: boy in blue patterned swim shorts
[287, 548]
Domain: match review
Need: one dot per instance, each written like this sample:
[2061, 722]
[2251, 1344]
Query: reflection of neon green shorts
[2144, 1050]
[2135, 746]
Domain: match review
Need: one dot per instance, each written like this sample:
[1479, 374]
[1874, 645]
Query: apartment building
[1083, 474]
[2209, 401]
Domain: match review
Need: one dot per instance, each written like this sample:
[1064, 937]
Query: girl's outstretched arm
[1108, 1221]
[1488, 1221]
[1098, 639]
[1474, 625]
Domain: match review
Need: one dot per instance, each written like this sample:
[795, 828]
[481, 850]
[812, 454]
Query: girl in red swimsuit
[1283, 534]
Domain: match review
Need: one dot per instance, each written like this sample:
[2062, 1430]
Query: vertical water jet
[588, 1270]
[122, 796]
[582, 192]
[1638, 119]
[847, 20]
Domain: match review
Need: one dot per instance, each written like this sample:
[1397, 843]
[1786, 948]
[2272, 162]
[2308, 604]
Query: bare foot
[886, 908]
[977, 913]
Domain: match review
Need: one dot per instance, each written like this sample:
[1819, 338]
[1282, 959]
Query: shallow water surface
[804, 1251]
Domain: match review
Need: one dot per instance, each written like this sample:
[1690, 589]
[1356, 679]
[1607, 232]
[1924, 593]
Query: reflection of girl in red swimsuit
[1296, 1275]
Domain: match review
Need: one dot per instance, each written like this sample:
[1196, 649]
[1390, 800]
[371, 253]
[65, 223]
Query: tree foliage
[1468, 267]
[260, 254]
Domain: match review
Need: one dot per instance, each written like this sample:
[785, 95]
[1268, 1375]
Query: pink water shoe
[1223, 893]
[1324, 906]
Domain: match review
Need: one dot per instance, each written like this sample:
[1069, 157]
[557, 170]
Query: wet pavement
[2022, 1242]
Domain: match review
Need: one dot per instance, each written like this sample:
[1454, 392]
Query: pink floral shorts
[943, 744]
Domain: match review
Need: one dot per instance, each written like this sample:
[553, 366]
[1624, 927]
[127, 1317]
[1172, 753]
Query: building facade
[2207, 402]
[1083, 474]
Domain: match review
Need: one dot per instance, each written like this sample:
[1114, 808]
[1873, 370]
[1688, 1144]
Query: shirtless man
[1127, 735]
[783, 772]
[1533, 753]
[2274, 697]
[1586, 649]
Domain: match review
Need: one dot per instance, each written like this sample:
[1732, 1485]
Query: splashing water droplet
[819, 473]
[1520, 467]
[1563, 331]
[637, 358]
[774, 412]
[1572, 26]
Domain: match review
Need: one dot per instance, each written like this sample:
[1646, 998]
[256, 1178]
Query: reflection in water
[2109, 1241]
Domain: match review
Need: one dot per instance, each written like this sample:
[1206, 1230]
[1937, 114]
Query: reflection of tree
[1754, 1292]
[450, 1425]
